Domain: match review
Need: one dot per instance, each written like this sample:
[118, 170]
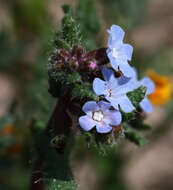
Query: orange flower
[163, 88]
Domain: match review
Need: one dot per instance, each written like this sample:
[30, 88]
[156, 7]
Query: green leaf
[59, 42]
[56, 168]
[84, 91]
[73, 78]
[134, 136]
[66, 78]
[128, 116]
[70, 33]
[139, 124]
[70, 30]
[62, 81]
[137, 95]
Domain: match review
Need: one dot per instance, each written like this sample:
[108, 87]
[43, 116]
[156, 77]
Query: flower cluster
[113, 90]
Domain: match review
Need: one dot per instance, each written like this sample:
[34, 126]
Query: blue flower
[145, 104]
[114, 90]
[119, 53]
[99, 115]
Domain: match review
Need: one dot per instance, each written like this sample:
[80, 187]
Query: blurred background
[27, 28]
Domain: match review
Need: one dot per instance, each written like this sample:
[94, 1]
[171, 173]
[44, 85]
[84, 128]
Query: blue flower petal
[135, 75]
[125, 52]
[104, 105]
[107, 74]
[127, 70]
[113, 102]
[114, 64]
[119, 53]
[90, 106]
[110, 117]
[115, 90]
[146, 105]
[123, 80]
[99, 87]
[112, 84]
[126, 84]
[103, 128]
[114, 117]
[116, 35]
[126, 104]
[86, 123]
[148, 83]
[111, 42]
[112, 60]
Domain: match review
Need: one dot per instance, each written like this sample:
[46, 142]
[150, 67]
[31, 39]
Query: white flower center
[98, 116]
[115, 53]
